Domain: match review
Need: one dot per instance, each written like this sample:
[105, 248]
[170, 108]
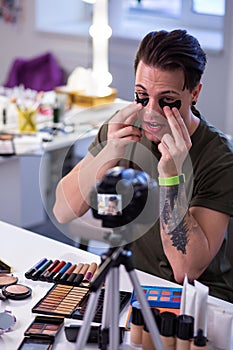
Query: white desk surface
[22, 249]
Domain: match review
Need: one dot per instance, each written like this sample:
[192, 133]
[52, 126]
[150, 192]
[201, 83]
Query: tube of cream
[200, 317]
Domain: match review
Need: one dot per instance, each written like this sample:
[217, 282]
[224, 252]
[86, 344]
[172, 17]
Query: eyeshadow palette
[164, 297]
[41, 333]
[71, 302]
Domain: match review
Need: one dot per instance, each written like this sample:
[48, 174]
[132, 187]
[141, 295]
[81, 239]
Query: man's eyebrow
[161, 93]
[141, 86]
[169, 92]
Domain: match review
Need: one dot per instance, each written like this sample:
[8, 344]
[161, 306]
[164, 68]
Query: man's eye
[173, 103]
[142, 98]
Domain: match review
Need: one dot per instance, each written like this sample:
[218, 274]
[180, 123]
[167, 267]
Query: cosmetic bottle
[168, 330]
[199, 341]
[136, 325]
[184, 332]
[147, 343]
[56, 112]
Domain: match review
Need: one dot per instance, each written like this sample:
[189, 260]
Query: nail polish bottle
[136, 325]
[199, 341]
[184, 332]
[147, 343]
[168, 330]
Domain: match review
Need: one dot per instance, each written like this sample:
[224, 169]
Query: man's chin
[152, 137]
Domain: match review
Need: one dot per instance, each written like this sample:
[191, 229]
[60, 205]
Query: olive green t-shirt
[209, 183]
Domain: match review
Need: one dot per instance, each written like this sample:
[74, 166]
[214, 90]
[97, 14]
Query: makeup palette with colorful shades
[41, 333]
[161, 297]
[71, 302]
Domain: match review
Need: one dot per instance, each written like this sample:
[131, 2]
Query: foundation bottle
[136, 325]
[184, 332]
[147, 343]
[199, 342]
[168, 330]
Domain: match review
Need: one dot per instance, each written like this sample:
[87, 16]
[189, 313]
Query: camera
[125, 196]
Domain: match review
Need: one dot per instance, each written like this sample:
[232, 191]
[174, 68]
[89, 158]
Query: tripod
[109, 272]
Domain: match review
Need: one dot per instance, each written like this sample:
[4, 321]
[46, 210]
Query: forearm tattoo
[173, 210]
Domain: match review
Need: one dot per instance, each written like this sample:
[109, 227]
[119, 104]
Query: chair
[41, 73]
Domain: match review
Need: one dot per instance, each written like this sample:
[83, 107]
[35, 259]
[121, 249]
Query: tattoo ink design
[173, 214]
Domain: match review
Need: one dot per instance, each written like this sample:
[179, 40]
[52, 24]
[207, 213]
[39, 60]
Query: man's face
[160, 87]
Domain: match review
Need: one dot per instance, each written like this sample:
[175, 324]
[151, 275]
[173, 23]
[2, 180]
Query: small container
[16, 291]
[184, 332]
[199, 341]
[136, 325]
[168, 330]
[7, 280]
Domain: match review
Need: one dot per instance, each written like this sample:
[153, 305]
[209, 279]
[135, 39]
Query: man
[164, 134]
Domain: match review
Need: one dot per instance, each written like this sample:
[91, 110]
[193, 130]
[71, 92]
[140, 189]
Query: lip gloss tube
[58, 275]
[44, 274]
[52, 273]
[74, 273]
[78, 279]
[38, 272]
[89, 274]
[67, 273]
[33, 269]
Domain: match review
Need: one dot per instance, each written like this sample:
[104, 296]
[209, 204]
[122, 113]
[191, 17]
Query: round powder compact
[16, 291]
[7, 280]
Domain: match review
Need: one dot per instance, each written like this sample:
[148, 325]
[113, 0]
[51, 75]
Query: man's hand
[174, 148]
[121, 129]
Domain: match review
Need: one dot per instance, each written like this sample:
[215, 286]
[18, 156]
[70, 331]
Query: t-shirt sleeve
[100, 140]
[214, 183]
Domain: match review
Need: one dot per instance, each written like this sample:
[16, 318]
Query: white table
[22, 249]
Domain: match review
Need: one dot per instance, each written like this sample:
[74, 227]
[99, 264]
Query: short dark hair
[173, 50]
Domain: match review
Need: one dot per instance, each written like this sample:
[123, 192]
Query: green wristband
[172, 181]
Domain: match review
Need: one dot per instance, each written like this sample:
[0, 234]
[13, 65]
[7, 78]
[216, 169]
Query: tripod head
[125, 196]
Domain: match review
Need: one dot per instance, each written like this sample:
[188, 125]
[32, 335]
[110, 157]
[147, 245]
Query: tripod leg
[110, 316]
[88, 317]
[147, 314]
[114, 339]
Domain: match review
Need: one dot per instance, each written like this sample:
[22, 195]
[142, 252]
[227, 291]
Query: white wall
[215, 101]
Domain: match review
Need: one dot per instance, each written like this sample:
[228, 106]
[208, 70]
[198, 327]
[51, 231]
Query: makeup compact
[7, 321]
[7, 280]
[16, 291]
[41, 333]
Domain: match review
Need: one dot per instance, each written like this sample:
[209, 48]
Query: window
[132, 19]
